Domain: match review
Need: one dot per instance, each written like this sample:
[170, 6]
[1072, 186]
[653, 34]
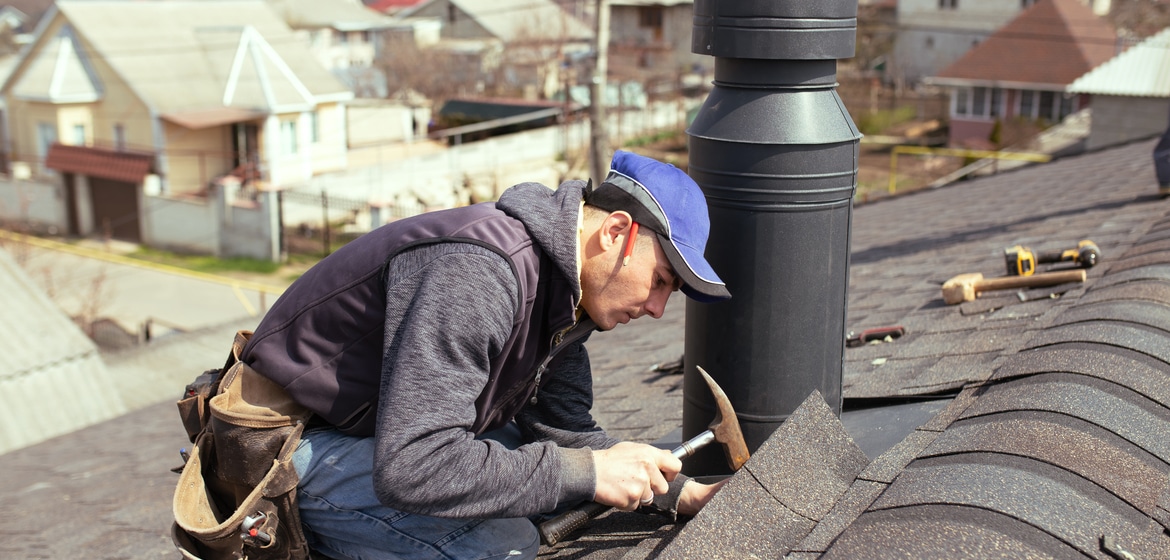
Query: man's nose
[656, 305]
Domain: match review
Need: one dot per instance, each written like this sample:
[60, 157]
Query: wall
[1118, 119]
[970, 133]
[951, 33]
[39, 205]
[378, 123]
[195, 158]
[329, 152]
[179, 224]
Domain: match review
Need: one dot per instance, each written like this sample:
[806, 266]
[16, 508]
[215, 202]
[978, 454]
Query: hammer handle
[557, 528]
[1040, 279]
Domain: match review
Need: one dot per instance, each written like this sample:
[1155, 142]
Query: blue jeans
[343, 518]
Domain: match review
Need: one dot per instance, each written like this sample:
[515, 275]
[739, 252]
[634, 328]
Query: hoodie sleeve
[450, 309]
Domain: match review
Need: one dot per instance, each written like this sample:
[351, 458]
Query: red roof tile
[98, 162]
[1053, 42]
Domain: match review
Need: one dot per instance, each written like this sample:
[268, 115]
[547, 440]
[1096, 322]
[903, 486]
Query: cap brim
[699, 280]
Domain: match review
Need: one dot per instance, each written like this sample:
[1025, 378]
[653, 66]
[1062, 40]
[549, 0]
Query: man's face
[613, 294]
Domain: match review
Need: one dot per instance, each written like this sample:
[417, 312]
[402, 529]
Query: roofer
[442, 357]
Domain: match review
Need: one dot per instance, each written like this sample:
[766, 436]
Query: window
[1047, 105]
[314, 126]
[342, 37]
[119, 137]
[930, 42]
[978, 101]
[650, 16]
[79, 135]
[288, 137]
[1067, 105]
[1026, 3]
[948, 4]
[1028, 104]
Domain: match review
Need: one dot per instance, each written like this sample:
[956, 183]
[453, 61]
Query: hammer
[723, 429]
[966, 287]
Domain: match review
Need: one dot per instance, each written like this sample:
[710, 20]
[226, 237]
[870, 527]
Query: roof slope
[525, 20]
[1141, 71]
[183, 55]
[1056, 438]
[1053, 42]
[336, 14]
[52, 380]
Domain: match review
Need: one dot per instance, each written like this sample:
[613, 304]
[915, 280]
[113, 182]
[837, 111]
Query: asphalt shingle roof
[1046, 432]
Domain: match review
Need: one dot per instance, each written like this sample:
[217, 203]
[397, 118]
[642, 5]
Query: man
[443, 359]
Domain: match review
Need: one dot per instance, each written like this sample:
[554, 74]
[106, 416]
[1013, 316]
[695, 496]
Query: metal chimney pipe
[775, 152]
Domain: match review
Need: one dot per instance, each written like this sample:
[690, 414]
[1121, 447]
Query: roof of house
[1141, 71]
[178, 56]
[52, 380]
[1051, 43]
[389, 6]
[1028, 423]
[343, 15]
[518, 20]
[32, 9]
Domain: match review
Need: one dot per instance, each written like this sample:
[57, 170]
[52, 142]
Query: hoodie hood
[551, 218]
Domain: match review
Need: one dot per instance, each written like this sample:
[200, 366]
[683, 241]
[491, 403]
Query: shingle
[742, 521]
[810, 461]
[1139, 312]
[1135, 337]
[1028, 491]
[1110, 406]
[952, 412]
[1128, 368]
[1071, 444]
[942, 531]
[790, 482]
[1139, 261]
[859, 496]
[889, 465]
[1141, 290]
[1150, 272]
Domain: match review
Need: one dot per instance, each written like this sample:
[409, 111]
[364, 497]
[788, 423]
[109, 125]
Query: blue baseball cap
[665, 200]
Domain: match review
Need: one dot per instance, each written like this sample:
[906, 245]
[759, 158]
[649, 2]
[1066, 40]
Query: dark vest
[322, 340]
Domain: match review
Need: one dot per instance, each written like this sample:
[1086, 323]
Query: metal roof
[52, 380]
[1141, 71]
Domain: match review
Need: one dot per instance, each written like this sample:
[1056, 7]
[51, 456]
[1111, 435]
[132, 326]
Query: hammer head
[725, 426]
[961, 288]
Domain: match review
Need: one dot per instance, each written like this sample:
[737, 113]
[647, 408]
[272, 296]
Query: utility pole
[599, 155]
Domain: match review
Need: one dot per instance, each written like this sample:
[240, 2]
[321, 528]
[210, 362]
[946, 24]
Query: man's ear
[616, 225]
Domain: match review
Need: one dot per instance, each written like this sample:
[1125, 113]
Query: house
[1130, 94]
[118, 100]
[345, 36]
[1022, 72]
[650, 40]
[521, 45]
[932, 34]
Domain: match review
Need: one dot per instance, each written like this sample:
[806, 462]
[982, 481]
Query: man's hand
[631, 474]
[695, 495]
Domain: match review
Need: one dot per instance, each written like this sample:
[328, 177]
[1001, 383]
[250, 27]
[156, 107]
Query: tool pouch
[236, 496]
